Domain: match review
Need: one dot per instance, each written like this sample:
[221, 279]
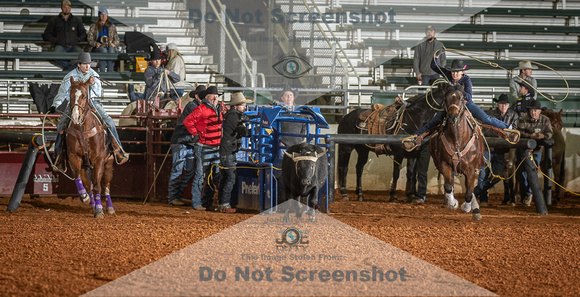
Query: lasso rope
[495, 65]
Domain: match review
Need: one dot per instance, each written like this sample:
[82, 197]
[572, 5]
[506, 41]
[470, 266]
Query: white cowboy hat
[239, 98]
[525, 65]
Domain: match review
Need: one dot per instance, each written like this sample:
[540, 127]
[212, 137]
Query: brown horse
[458, 148]
[86, 143]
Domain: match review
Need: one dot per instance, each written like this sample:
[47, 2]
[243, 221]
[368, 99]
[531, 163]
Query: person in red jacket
[205, 124]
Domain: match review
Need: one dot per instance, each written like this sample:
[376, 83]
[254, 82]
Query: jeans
[205, 157]
[485, 180]
[426, 79]
[182, 170]
[105, 64]
[62, 123]
[134, 96]
[477, 113]
[525, 186]
[177, 93]
[228, 178]
[65, 64]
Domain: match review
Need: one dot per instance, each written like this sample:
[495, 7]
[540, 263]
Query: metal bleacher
[26, 57]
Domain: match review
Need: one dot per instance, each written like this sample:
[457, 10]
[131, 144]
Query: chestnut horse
[458, 148]
[86, 143]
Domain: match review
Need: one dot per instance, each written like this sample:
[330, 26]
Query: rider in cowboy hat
[455, 75]
[85, 73]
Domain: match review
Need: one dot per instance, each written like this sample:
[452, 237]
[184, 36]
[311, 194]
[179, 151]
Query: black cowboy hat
[197, 91]
[503, 99]
[210, 90]
[528, 87]
[457, 65]
[155, 55]
[535, 104]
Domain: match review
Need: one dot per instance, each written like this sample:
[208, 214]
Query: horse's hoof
[111, 211]
[452, 204]
[393, 200]
[99, 214]
[360, 197]
[465, 207]
[344, 197]
[477, 217]
[85, 198]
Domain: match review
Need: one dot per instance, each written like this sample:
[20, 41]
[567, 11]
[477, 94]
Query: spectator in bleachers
[65, 31]
[535, 126]
[103, 37]
[424, 55]
[525, 76]
[176, 64]
[157, 78]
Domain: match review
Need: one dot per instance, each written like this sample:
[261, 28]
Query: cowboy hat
[210, 90]
[525, 65]
[84, 58]
[457, 65]
[239, 98]
[197, 91]
[528, 87]
[535, 104]
[155, 55]
[503, 99]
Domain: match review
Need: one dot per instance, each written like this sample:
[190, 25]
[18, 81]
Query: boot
[60, 163]
[121, 157]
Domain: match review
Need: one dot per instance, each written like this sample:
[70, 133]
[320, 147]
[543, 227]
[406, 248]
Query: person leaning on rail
[85, 73]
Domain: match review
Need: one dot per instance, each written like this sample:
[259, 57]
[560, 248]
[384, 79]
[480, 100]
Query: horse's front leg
[396, 173]
[106, 184]
[344, 152]
[96, 175]
[81, 179]
[470, 201]
[363, 157]
[450, 200]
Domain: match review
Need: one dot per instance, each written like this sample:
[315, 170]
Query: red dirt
[54, 247]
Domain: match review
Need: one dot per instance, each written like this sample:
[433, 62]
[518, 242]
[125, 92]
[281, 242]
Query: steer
[304, 172]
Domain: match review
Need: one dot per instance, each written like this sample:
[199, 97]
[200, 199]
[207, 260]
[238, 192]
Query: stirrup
[59, 164]
[409, 143]
[121, 157]
[509, 132]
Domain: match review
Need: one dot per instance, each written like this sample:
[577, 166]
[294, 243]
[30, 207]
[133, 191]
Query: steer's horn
[318, 155]
[289, 156]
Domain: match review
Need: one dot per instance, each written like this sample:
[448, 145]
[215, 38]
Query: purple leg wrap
[92, 199]
[109, 202]
[98, 204]
[80, 188]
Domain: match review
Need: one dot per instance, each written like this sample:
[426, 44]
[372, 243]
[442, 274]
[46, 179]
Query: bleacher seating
[77, 3]
[465, 28]
[126, 21]
[480, 45]
[471, 64]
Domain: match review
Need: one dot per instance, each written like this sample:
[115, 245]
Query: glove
[52, 109]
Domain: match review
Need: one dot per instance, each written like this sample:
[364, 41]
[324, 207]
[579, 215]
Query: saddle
[379, 120]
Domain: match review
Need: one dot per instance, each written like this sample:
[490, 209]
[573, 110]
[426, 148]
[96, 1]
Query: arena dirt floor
[53, 246]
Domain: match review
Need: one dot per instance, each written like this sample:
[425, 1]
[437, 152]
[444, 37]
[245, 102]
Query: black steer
[304, 172]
